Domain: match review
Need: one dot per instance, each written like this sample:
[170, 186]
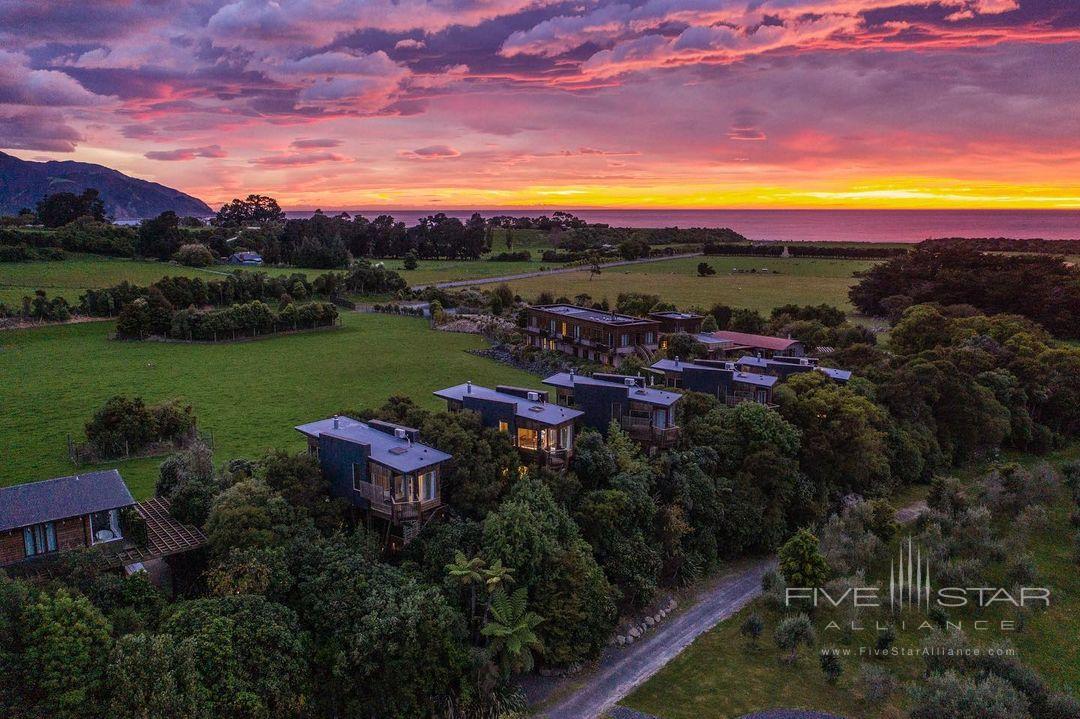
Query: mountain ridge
[24, 182]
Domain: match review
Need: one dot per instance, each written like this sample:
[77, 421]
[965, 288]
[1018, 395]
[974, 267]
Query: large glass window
[105, 526]
[566, 436]
[528, 438]
[39, 539]
[429, 486]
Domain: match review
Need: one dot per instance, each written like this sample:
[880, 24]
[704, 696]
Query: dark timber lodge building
[595, 335]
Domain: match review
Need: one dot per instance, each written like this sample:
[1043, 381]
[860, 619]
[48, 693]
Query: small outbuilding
[248, 259]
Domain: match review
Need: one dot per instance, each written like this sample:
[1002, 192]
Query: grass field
[69, 278]
[720, 676]
[249, 394]
[802, 281]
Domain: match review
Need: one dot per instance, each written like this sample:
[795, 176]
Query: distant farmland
[248, 394]
[802, 281]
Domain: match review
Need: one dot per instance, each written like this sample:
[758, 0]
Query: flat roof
[649, 395]
[760, 380]
[707, 339]
[840, 375]
[543, 412]
[62, 497]
[591, 315]
[673, 315]
[400, 454]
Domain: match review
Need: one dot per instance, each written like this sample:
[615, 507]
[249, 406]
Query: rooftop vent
[398, 450]
[630, 381]
[534, 396]
[729, 365]
[468, 387]
[337, 422]
[536, 408]
[804, 360]
[400, 433]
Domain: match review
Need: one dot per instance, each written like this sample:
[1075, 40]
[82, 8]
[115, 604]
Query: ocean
[811, 225]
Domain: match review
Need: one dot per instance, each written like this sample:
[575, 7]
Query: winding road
[623, 669]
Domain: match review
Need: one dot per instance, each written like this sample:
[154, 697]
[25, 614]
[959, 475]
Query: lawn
[248, 394]
[721, 675]
[802, 281]
[69, 278]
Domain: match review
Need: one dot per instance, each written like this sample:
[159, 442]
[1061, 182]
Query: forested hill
[23, 183]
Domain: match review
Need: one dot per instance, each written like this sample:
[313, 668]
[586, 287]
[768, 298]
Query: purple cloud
[36, 129]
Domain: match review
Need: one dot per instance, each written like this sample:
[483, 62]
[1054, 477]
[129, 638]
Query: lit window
[503, 426]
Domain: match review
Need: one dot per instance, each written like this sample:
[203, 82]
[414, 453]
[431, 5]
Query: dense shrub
[519, 256]
[194, 255]
[26, 253]
[249, 320]
[99, 238]
[126, 425]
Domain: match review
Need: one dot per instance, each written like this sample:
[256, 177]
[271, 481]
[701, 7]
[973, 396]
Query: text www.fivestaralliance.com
[920, 652]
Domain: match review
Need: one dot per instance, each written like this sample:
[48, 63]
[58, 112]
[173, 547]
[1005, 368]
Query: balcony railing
[643, 430]
[733, 400]
[397, 510]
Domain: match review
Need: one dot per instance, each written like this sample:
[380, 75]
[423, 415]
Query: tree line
[1042, 288]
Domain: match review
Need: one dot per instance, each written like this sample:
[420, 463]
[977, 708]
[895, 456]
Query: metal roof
[752, 340]
[591, 315]
[673, 315]
[707, 339]
[760, 380]
[400, 454]
[52, 499]
[840, 375]
[649, 395]
[542, 412]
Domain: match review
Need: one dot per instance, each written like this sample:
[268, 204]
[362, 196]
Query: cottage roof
[62, 497]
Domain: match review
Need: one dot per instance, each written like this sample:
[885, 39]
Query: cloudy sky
[514, 103]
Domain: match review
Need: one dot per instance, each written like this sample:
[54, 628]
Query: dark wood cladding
[592, 339]
[71, 533]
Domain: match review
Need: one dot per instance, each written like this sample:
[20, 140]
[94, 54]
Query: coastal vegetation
[1040, 287]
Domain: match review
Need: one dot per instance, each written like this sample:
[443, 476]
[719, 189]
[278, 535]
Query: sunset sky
[512, 103]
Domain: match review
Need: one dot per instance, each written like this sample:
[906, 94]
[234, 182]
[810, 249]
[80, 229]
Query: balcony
[642, 429]
[735, 400]
[397, 511]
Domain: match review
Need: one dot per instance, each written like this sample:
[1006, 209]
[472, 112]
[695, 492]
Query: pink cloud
[316, 142]
[431, 152]
[298, 159]
[186, 153]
